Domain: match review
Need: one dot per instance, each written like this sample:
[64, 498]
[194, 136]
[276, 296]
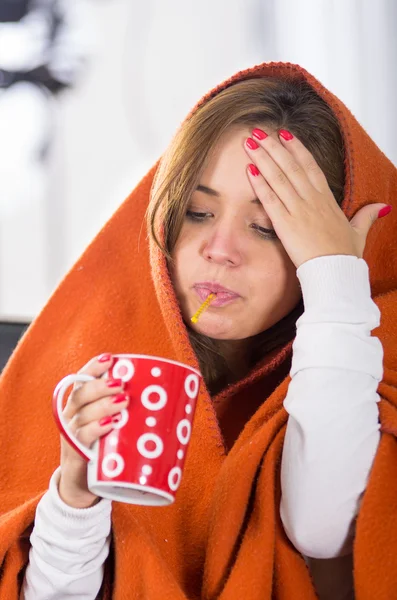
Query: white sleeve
[69, 549]
[333, 426]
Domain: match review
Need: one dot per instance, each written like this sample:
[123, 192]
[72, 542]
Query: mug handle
[57, 407]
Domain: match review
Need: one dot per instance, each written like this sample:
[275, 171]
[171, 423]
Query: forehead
[226, 170]
[229, 151]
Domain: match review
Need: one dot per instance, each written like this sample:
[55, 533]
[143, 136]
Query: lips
[223, 295]
[216, 288]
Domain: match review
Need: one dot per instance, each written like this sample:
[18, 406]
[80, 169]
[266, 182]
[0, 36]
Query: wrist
[75, 498]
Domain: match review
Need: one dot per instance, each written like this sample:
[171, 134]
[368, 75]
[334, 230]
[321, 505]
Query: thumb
[366, 217]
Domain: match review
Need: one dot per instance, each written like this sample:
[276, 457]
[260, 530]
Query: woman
[271, 189]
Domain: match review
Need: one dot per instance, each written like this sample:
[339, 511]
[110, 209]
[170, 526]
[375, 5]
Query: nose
[221, 246]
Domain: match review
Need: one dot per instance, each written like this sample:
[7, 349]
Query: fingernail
[259, 134]
[105, 421]
[251, 144]
[384, 211]
[254, 170]
[120, 398]
[285, 134]
[104, 358]
[112, 383]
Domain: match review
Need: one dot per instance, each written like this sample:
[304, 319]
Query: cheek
[184, 251]
[278, 284]
[182, 255]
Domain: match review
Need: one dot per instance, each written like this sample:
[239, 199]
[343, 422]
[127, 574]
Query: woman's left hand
[296, 197]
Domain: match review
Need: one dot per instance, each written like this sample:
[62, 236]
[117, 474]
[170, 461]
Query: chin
[217, 329]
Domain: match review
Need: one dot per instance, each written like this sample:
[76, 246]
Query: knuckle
[313, 167]
[77, 422]
[79, 434]
[270, 197]
[86, 435]
[294, 167]
[75, 400]
[76, 386]
[88, 392]
[280, 177]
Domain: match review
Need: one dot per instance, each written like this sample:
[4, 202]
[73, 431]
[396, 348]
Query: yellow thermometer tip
[202, 308]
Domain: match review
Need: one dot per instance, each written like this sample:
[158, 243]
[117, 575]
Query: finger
[89, 392]
[305, 159]
[96, 367]
[91, 432]
[272, 173]
[273, 206]
[105, 407]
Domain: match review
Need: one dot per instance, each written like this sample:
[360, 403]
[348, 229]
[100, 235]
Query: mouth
[223, 295]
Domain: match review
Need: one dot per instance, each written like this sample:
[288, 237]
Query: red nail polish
[105, 421]
[112, 383]
[384, 211]
[285, 134]
[104, 358]
[252, 144]
[120, 398]
[254, 170]
[259, 134]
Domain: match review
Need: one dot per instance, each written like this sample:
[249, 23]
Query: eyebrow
[207, 190]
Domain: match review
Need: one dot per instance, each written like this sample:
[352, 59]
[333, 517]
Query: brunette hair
[263, 101]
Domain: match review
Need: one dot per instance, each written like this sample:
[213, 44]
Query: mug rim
[100, 489]
[160, 358]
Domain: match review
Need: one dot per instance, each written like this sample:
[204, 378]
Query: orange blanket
[223, 538]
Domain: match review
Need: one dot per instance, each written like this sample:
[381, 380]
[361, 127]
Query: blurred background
[91, 92]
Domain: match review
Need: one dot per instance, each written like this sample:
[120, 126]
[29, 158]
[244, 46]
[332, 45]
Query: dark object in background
[13, 10]
[57, 38]
[40, 76]
[10, 333]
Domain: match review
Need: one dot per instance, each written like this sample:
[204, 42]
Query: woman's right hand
[88, 412]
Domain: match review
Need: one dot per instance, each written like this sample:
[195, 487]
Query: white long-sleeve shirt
[331, 440]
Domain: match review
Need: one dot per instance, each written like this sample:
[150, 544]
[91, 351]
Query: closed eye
[262, 231]
[196, 216]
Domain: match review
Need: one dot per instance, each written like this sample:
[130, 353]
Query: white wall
[154, 61]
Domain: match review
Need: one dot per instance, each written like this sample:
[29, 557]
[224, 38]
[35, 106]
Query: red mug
[140, 461]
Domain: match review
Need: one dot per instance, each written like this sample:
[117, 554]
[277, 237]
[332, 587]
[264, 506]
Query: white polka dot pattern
[160, 426]
[191, 385]
[123, 369]
[154, 405]
[174, 478]
[150, 437]
[113, 470]
[183, 431]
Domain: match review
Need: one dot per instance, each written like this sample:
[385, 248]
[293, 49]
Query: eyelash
[199, 217]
